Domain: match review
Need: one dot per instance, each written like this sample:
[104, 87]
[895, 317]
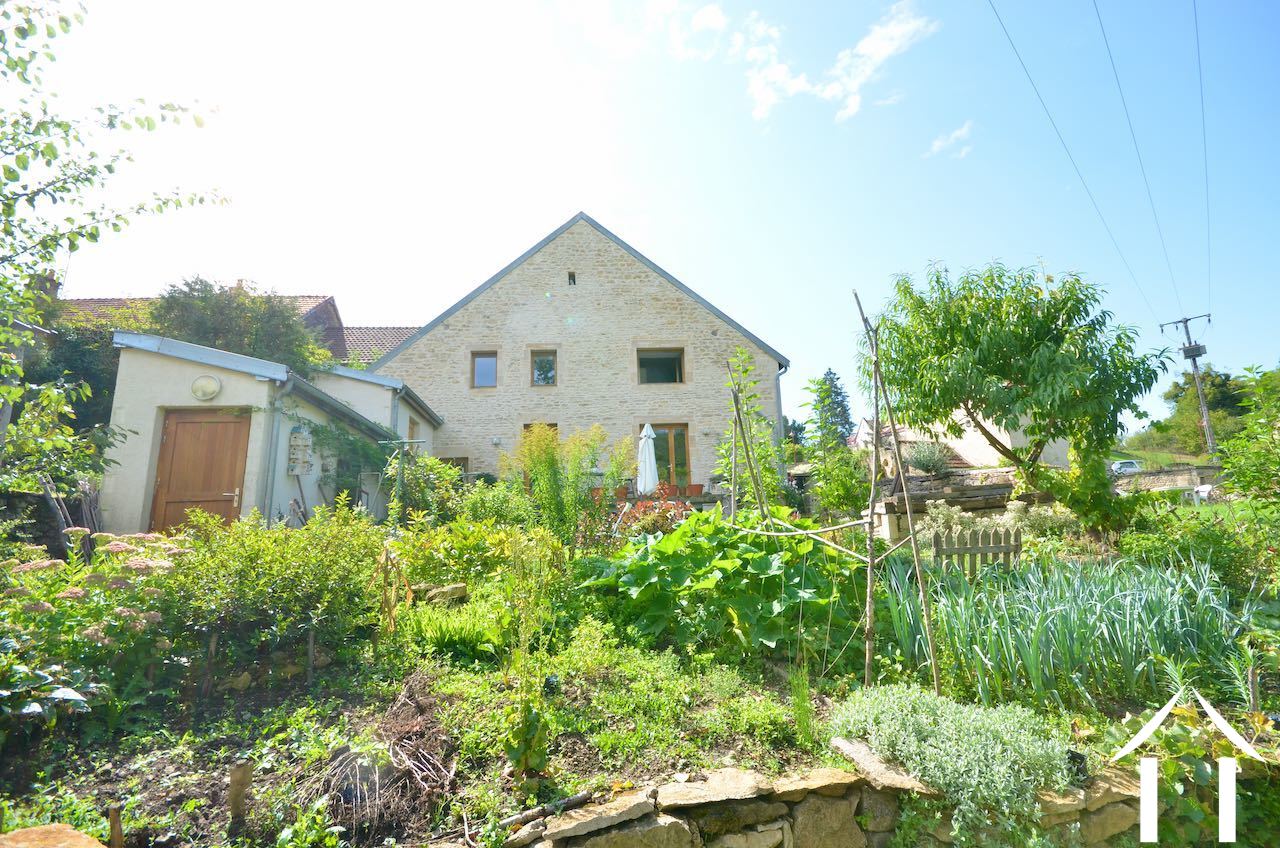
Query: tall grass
[1078, 634]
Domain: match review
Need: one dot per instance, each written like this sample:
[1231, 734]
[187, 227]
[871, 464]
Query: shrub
[466, 635]
[1037, 521]
[1075, 635]
[929, 457]
[987, 761]
[458, 552]
[432, 487]
[1170, 536]
[256, 585]
[87, 628]
[708, 586]
[504, 503]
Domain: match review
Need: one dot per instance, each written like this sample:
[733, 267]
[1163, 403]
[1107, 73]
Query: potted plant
[693, 490]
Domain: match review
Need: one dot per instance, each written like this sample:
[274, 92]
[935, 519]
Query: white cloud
[946, 140]
[709, 17]
[769, 79]
[891, 100]
[962, 152]
[893, 34]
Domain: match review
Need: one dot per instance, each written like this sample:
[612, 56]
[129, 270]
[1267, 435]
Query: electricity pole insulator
[1193, 351]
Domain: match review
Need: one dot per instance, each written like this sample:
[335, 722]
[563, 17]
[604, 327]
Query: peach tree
[1003, 351]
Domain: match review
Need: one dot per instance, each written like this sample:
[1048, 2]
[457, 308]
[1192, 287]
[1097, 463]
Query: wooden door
[202, 460]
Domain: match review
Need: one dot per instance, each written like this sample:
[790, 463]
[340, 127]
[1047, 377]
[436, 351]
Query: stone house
[582, 329]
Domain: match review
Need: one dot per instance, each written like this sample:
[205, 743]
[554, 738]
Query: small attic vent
[573, 279]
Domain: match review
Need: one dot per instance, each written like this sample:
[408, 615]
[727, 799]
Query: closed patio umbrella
[646, 464]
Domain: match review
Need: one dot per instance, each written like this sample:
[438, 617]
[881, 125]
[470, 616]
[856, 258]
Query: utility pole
[1193, 351]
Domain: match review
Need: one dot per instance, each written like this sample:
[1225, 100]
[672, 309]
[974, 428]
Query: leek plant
[1077, 635]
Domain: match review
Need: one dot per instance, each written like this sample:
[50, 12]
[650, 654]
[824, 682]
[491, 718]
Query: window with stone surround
[660, 365]
[542, 368]
[484, 369]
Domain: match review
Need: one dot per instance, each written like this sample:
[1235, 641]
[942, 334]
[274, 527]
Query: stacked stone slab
[822, 808]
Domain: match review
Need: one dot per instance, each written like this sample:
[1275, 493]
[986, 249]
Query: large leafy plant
[708, 585]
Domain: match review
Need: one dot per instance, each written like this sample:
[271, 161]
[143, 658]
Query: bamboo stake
[311, 654]
[869, 628]
[926, 606]
[748, 454]
[208, 670]
[733, 473]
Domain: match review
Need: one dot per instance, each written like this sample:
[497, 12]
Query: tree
[1025, 353]
[756, 437]
[1251, 459]
[839, 474]
[837, 406]
[1183, 430]
[1221, 391]
[50, 174]
[239, 319]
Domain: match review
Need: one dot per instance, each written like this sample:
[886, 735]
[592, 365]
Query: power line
[1138, 152]
[1072, 159]
[1204, 145]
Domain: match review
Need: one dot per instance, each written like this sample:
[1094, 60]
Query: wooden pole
[116, 839]
[869, 628]
[311, 654]
[238, 788]
[733, 473]
[926, 605]
[208, 669]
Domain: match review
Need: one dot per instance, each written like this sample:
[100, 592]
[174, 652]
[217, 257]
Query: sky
[773, 156]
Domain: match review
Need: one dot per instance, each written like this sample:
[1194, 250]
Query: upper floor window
[573, 278]
[484, 369]
[543, 368]
[660, 366]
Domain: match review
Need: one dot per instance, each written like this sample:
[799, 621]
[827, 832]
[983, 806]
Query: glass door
[671, 450]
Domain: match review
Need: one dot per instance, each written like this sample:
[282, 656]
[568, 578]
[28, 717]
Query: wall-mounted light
[205, 387]
[496, 441]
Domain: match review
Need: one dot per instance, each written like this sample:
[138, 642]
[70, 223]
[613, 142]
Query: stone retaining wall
[824, 808]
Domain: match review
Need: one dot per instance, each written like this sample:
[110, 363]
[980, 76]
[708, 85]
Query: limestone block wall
[824, 808]
[616, 306]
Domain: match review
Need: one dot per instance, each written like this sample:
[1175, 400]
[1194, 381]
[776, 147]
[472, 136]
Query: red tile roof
[366, 344]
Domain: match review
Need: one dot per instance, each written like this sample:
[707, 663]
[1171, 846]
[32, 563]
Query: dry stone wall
[823, 808]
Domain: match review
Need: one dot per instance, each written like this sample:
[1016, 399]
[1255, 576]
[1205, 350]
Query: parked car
[1122, 467]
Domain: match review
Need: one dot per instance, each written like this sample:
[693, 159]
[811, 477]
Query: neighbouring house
[579, 330]
[230, 434]
[970, 450]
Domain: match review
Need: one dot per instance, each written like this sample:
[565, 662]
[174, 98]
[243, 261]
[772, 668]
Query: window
[671, 450]
[573, 279]
[413, 435]
[484, 370]
[543, 368]
[660, 366]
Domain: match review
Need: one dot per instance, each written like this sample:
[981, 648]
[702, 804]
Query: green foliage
[240, 319]
[1164, 535]
[928, 457]
[1076, 635]
[85, 634]
[431, 486]
[346, 456]
[758, 437]
[311, 829]
[505, 503]
[466, 635]
[255, 585]
[560, 474]
[987, 761]
[1182, 432]
[458, 552]
[839, 477]
[1188, 747]
[706, 586]
[1020, 351]
[42, 441]
[623, 705]
[1036, 521]
[1251, 459]
[51, 181]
